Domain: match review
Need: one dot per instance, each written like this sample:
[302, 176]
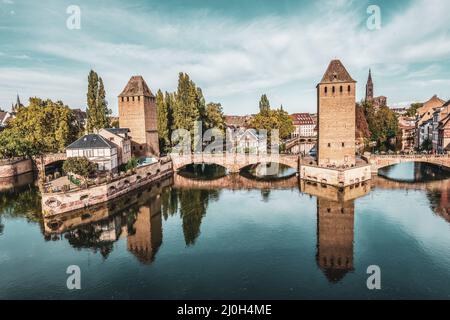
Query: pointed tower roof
[136, 87]
[369, 80]
[336, 72]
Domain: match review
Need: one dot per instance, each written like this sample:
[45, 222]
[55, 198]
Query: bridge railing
[410, 156]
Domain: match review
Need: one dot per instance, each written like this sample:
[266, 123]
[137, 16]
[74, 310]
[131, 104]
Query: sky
[234, 50]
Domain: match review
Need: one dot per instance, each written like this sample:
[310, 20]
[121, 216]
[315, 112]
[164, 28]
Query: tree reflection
[192, 205]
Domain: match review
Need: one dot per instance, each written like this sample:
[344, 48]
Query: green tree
[42, 127]
[264, 105]
[163, 121]
[273, 119]
[412, 111]
[80, 166]
[97, 106]
[214, 117]
[383, 125]
[427, 145]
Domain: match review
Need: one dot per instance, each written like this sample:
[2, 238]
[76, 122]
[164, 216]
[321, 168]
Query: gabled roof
[336, 72]
[91, 141]
[136, 86]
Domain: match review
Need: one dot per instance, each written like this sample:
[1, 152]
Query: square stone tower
[137, 112]
[336, 110]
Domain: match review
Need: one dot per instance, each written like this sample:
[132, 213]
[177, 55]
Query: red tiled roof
[299, 119]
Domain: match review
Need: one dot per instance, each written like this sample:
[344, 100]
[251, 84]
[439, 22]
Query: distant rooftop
[302, 119]
[118, 130]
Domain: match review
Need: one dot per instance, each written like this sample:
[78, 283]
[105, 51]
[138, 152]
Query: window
[343, 144]
[139, 98]
[341, 89]
[349, 89]
[329, 145]
[326, 90]
[122, 99]
[128, 99]
[133, 99]
[333, 90]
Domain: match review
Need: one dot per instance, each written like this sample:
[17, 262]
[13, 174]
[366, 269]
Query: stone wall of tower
[336, 124]
[138, 113]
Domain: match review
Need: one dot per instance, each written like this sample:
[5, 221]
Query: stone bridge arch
[379, 161]
[42, 161]
[234, 162]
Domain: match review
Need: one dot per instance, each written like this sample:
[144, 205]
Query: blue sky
[234, 50]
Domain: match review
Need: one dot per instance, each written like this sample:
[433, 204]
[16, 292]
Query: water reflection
[139, 218]
[136, 217]
[335, 226]
[192, 205]
[415, 172]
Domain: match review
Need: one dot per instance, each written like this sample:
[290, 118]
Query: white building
[97, 149]
[304, 125]
[246, 141]
[119, 136]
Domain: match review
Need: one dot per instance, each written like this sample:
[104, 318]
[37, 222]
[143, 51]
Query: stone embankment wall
[335, 177]
[56, 203]
[15, 167]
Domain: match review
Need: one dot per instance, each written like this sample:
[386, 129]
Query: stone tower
[369, 87]
[336, 110]
[137, 112]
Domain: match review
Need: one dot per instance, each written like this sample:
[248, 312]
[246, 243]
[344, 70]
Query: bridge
[41, 161]
[380, 161]
[233, 162]
[307, 142]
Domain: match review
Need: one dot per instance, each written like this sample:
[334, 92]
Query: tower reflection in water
[335, 226]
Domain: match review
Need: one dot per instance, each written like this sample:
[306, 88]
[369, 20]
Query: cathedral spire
[369, 87]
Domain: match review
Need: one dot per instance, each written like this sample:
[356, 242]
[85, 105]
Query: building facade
[304, 125]
[408, 127]
[424, 124]
[137, 112]
[96, 149]
[439, 114]
[119, 136]
[336, 118]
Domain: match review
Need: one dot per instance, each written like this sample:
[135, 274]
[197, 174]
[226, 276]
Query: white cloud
[230, 58]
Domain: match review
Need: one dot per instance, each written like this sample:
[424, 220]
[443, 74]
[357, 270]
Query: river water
[209, 236]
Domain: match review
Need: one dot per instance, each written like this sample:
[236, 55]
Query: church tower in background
[369, 87]
[137, 112]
